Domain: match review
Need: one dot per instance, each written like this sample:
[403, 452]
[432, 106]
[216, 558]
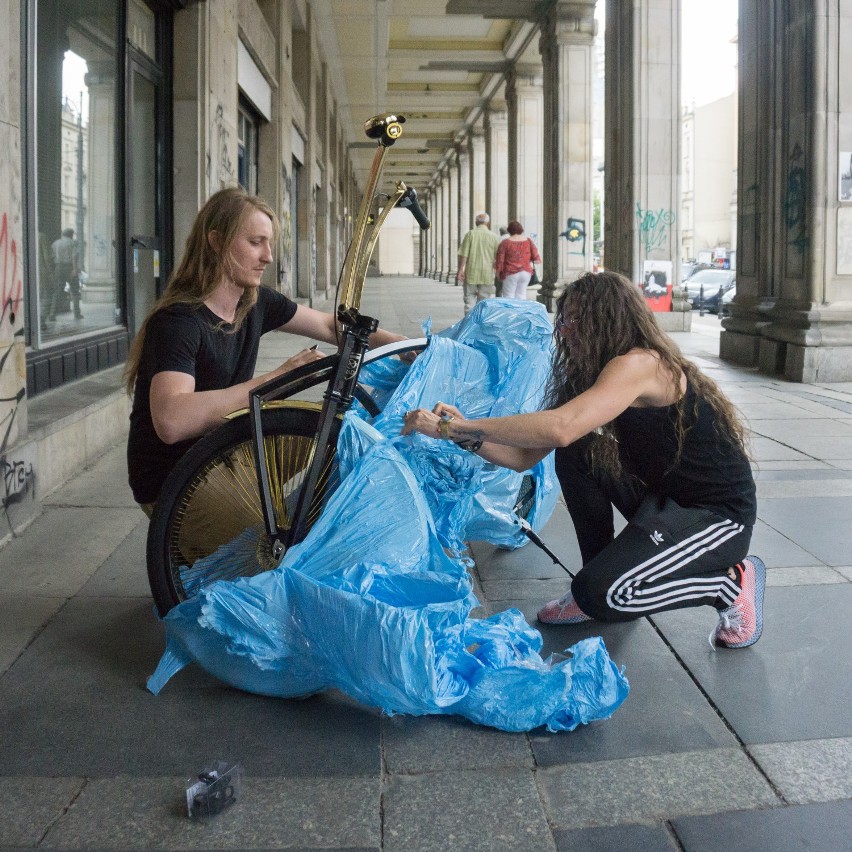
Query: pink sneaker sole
[562, 611]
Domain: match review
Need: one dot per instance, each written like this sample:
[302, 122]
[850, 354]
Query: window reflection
[76, 158]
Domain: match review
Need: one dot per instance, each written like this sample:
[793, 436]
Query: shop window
[248, 127]
[74, 290]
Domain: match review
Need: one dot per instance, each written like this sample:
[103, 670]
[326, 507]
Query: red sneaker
[740, 625]
[563, 610]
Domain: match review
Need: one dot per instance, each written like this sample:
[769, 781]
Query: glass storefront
[95, 179]
[76, 168]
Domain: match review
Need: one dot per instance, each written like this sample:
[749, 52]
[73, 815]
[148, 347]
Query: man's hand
[306, 356]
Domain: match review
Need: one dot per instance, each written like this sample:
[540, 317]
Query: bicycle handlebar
[409, 202]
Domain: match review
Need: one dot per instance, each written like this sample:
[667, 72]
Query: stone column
[478, 188]
[453, 216]
[524, 100]
[465, 220]
[566, 49]
[642, 180]
[792, 315]
[437, 227]
[445, 224]
[497, 163]
[428, 205]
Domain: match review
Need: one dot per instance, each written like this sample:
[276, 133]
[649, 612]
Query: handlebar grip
[409, 201]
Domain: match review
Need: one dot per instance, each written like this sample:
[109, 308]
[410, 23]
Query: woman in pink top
[514, 263]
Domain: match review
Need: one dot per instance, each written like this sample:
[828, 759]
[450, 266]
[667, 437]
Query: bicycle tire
[208, 525]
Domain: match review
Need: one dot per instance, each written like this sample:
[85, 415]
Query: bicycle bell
[386, 128]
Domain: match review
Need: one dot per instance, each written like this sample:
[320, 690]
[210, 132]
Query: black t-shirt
[712, 472]
[192, 339]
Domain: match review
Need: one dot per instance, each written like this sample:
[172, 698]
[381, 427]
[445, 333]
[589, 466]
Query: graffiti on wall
[286, 231]
[220, 169]
[795, 201]
[654, 228]
[17, 476]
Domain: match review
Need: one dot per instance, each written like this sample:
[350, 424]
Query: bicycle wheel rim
[215, 529]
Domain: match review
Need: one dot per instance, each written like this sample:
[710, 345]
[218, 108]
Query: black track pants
[667, 557]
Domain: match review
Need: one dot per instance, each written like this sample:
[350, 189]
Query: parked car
[727, 298]
[689, 267]
[711, 284]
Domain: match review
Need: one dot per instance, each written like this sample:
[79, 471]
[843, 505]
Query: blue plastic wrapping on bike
[493, 362]
[371, 604]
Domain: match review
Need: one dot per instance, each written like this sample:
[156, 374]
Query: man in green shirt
[476, 262]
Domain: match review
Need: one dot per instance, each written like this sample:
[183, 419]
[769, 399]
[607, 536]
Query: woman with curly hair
[637, 426]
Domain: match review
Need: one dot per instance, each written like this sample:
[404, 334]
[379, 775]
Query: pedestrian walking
[476, 262]
[515, 258]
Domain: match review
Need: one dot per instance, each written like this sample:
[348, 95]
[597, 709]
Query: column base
[674, 320]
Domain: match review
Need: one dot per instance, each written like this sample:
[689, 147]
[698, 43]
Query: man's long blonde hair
[203, 266]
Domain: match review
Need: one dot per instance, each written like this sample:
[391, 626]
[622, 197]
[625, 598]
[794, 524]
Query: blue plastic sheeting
[494, 362]
[371, 604]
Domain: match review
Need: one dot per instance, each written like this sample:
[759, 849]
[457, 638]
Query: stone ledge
[73, 425]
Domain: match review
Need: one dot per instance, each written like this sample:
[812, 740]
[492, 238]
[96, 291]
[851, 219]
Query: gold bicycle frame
[387, 129]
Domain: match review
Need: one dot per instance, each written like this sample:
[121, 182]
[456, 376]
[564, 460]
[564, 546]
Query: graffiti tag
[795, 202]
[18, 481]
[653, 228]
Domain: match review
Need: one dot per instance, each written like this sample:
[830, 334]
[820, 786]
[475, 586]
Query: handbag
[534, 277]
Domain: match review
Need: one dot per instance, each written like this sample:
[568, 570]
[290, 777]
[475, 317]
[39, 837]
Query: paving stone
[778, 410]
[30, 805]
[794, 683]
[821, 472]
[808, 576]
[777, 549]
[845, 571]
[810, 771]
[823, 827]
[820, 525]
[124, 572]
[102, 484]
[482, 811]
[663, 713]
[271, 813]
[795, 430]
[75, 703]
[765, 449]
[803, 488]
[631, 838]
[643, 789]
[62, 548]
[498, 591]
[412, 745]
[21, 617]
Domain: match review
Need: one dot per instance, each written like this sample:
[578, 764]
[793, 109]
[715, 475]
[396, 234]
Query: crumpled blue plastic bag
[494, 362]
[370, 603]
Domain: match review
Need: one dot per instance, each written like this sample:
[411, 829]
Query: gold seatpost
[386, 129]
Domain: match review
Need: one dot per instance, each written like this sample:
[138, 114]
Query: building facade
[117, 121]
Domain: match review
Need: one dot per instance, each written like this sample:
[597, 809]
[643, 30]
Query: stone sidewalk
[713, 750]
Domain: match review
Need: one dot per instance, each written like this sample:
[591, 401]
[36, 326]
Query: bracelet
[444, 428]
[470, 446]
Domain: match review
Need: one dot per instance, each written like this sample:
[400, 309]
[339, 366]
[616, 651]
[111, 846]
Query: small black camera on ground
[213, 790]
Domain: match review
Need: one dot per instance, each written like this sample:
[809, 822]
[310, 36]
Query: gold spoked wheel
[208, 523]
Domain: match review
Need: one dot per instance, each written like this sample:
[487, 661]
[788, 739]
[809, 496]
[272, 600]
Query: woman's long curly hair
[610, 317]
[203, 266]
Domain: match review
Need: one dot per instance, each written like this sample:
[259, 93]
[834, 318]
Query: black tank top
[713, 472]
